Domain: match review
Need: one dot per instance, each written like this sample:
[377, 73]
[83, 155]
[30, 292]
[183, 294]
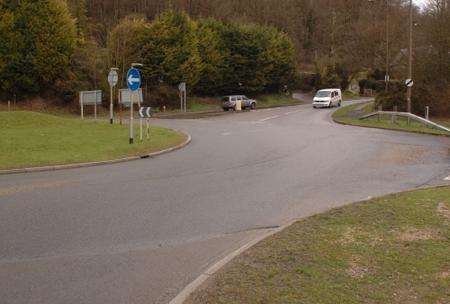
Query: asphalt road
[139, 232]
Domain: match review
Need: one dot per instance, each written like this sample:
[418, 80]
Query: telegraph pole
[387, 46]
[409, 89]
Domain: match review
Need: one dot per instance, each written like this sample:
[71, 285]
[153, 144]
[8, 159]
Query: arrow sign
[145, 112]
[409, 83]
[134, 79]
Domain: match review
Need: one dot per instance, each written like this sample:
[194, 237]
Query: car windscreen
[322, 94]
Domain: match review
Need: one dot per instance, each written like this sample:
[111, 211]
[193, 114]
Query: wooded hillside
[337, 39]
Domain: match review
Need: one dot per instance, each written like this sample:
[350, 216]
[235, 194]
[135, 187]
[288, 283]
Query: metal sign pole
[95, 110]
[131, 121]
[111, 107]
[181, 101]
[81, 105]
[113, 79]
[185, 101]
[134, 82]
[141, 119]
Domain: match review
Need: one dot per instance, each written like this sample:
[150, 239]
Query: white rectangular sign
[125, 97]
[90, 98]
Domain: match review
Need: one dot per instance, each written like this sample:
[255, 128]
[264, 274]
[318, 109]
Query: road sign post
[113, 78]
[134, 84]
[183, 96]
[146, 113]
[409, 84]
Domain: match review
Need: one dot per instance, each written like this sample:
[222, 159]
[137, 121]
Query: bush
[394, 97]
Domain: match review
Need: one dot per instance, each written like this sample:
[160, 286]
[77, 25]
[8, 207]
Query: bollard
[427, 113]
[9, 105]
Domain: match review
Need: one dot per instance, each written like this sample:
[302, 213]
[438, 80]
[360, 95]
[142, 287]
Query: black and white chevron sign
[145, 112]
[409, 83]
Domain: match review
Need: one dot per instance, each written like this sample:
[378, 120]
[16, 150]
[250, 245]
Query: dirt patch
[352, 235]
[406, 296]
[400, 155]
[356, 270]
[443, 210]
[348, 236]
[413, 234]
[444, 275]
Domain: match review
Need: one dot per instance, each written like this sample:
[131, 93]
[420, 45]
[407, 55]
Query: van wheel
[253, 106]
[339, 105]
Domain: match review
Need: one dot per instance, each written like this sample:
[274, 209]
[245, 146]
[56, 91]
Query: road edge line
[100, 163]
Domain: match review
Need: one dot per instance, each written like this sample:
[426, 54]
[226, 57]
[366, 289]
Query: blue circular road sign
[134, 79]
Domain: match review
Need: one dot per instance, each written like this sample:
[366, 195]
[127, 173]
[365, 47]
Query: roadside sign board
[90, 98]
[125, 97]
[409, 83]
[145, 112]
[113, 78]
[134, 80]
[182, 87]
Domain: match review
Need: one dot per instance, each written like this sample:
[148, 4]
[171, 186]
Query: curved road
[139, 232]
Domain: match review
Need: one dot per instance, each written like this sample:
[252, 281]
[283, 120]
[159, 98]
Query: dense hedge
[212, 56]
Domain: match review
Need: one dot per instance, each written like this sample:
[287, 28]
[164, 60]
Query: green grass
[350, 115]
[199, 107]
[274, 100]
[348, 95]
[393, 249]
[198, 104]
[30, 139]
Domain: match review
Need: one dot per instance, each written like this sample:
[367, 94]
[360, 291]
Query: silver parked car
[229, 102]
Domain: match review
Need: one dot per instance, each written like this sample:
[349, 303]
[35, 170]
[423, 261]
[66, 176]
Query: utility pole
[387, 46]
[409, 89]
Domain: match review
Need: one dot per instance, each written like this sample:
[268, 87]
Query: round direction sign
[113, 78]
[134, 79]
[409, 83]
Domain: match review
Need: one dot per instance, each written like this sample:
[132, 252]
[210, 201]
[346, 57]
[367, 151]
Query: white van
[328, 98]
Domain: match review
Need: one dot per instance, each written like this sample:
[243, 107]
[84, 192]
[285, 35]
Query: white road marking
[269, 118]
[447, 178]
[226, 133]
[292, 112]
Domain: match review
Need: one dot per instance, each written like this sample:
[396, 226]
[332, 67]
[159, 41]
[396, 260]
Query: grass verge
[276, 100]
[350, 116]
[29, 139]
[393, 249]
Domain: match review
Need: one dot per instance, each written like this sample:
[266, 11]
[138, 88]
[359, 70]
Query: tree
[40, 39]
[170, 51]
